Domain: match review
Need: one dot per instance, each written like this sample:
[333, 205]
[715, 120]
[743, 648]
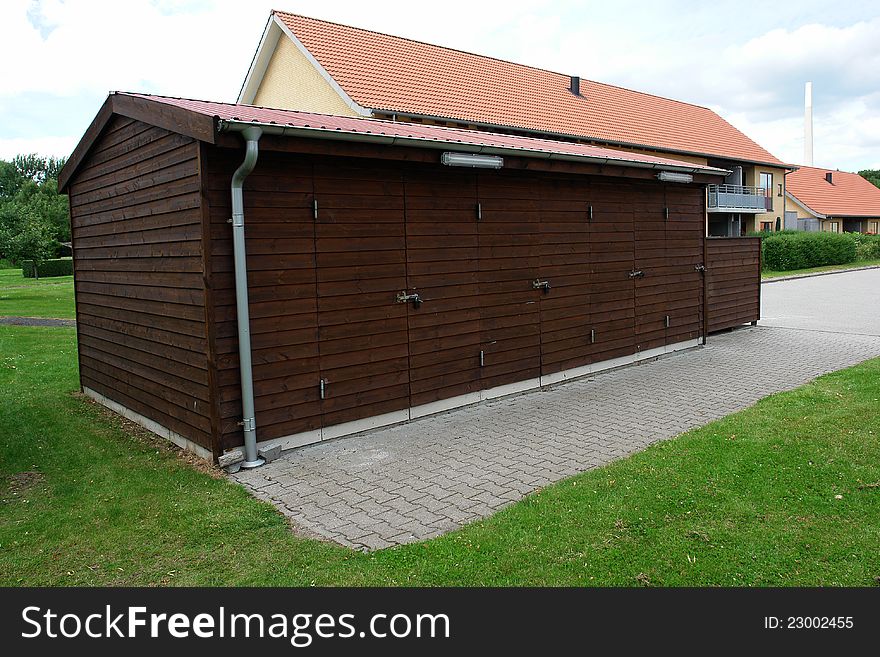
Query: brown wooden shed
[392, 270]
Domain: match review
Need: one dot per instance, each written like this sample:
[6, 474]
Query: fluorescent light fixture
[671, 176]
[469, 160]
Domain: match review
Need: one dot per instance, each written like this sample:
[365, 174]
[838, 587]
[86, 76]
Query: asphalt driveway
[844, 303]
[418, 480]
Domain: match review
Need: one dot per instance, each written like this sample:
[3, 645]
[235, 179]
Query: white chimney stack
[808, 124]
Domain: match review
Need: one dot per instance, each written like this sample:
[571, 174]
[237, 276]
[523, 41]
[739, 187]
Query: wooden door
[360, 246]
[282, 294]
[685, 233]
[564, 252]
[612, 299]
[650, 259]
[442, 256]
[509, 262]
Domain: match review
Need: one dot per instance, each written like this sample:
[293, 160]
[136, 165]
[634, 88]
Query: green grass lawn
[749, 500]
[30, 297]
[812, 270]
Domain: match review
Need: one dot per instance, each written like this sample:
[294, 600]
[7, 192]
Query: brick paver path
[418, 480]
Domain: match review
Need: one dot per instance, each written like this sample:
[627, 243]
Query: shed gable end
[136, 217]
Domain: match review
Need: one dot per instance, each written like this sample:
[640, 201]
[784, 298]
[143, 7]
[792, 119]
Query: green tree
[38, 168]
[872, 176]
[29, 189]
[10, 180]
[31, 239]
[44, 200]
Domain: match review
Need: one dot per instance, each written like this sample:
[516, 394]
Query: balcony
[737, 198]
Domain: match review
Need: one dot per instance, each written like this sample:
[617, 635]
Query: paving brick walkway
[427, 477]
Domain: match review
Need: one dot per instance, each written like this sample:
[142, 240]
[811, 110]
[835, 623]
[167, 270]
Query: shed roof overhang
[206, 121]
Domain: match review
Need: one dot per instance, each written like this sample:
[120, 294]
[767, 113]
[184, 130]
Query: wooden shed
[392, 270]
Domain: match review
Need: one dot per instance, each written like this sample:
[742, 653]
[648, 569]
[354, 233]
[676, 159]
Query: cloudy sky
[749, 62]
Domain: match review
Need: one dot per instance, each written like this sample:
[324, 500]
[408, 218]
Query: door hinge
[590, 213]
[315, 207]
[667, 213]
[666, 321]
[482, 358]
[322, 388]
[479, 211]
[592, 336]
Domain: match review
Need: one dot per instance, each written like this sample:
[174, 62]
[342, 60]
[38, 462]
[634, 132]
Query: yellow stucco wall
[291, 82]
[791, 206]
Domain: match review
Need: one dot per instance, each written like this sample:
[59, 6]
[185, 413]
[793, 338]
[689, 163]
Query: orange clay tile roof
[848, 195]
[394, 74]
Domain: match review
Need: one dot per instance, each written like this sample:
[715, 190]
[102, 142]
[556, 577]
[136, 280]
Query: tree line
[34, 217]
[872, 176]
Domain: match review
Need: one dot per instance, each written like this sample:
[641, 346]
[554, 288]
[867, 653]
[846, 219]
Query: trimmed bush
[48, 268]
[784, 252]
[867, 246]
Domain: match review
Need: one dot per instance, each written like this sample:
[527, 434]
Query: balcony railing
[737, 198]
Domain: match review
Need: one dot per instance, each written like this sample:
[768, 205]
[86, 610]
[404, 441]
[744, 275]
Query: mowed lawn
[784, 493]
[30, 297]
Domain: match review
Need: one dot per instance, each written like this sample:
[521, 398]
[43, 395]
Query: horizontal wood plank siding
[331, 241]
[140, 293]
[733, 281]
[282, 289]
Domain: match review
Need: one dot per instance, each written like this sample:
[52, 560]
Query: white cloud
[752, 72]
[56, 146]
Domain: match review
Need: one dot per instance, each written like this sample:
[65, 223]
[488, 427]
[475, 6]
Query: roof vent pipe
[575, 85]
[251, 136]
[829, 177]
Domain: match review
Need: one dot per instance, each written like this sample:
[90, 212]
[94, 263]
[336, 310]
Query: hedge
[48, 268]
[784, 252]
[867, 246]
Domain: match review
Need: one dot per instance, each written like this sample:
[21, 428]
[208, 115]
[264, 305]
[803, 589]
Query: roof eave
[260, 61]
[343, 135]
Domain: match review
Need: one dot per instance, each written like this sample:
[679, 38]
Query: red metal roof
[472, 139]
[394, 74]
[848, 195]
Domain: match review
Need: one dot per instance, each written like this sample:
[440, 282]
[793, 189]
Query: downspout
[252, 136]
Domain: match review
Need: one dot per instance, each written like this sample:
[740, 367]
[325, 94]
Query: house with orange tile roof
[833, 201]
[312, 65]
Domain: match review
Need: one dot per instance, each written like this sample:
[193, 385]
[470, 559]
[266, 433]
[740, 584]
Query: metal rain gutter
[420, 142]
[251, 134]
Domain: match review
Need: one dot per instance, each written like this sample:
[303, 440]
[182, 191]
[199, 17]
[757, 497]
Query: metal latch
[666, 321]
[592, 336]
[538, 284]
[482, 358]
[322, 388]
[403, 297]
[700, 268]
[637, 273]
